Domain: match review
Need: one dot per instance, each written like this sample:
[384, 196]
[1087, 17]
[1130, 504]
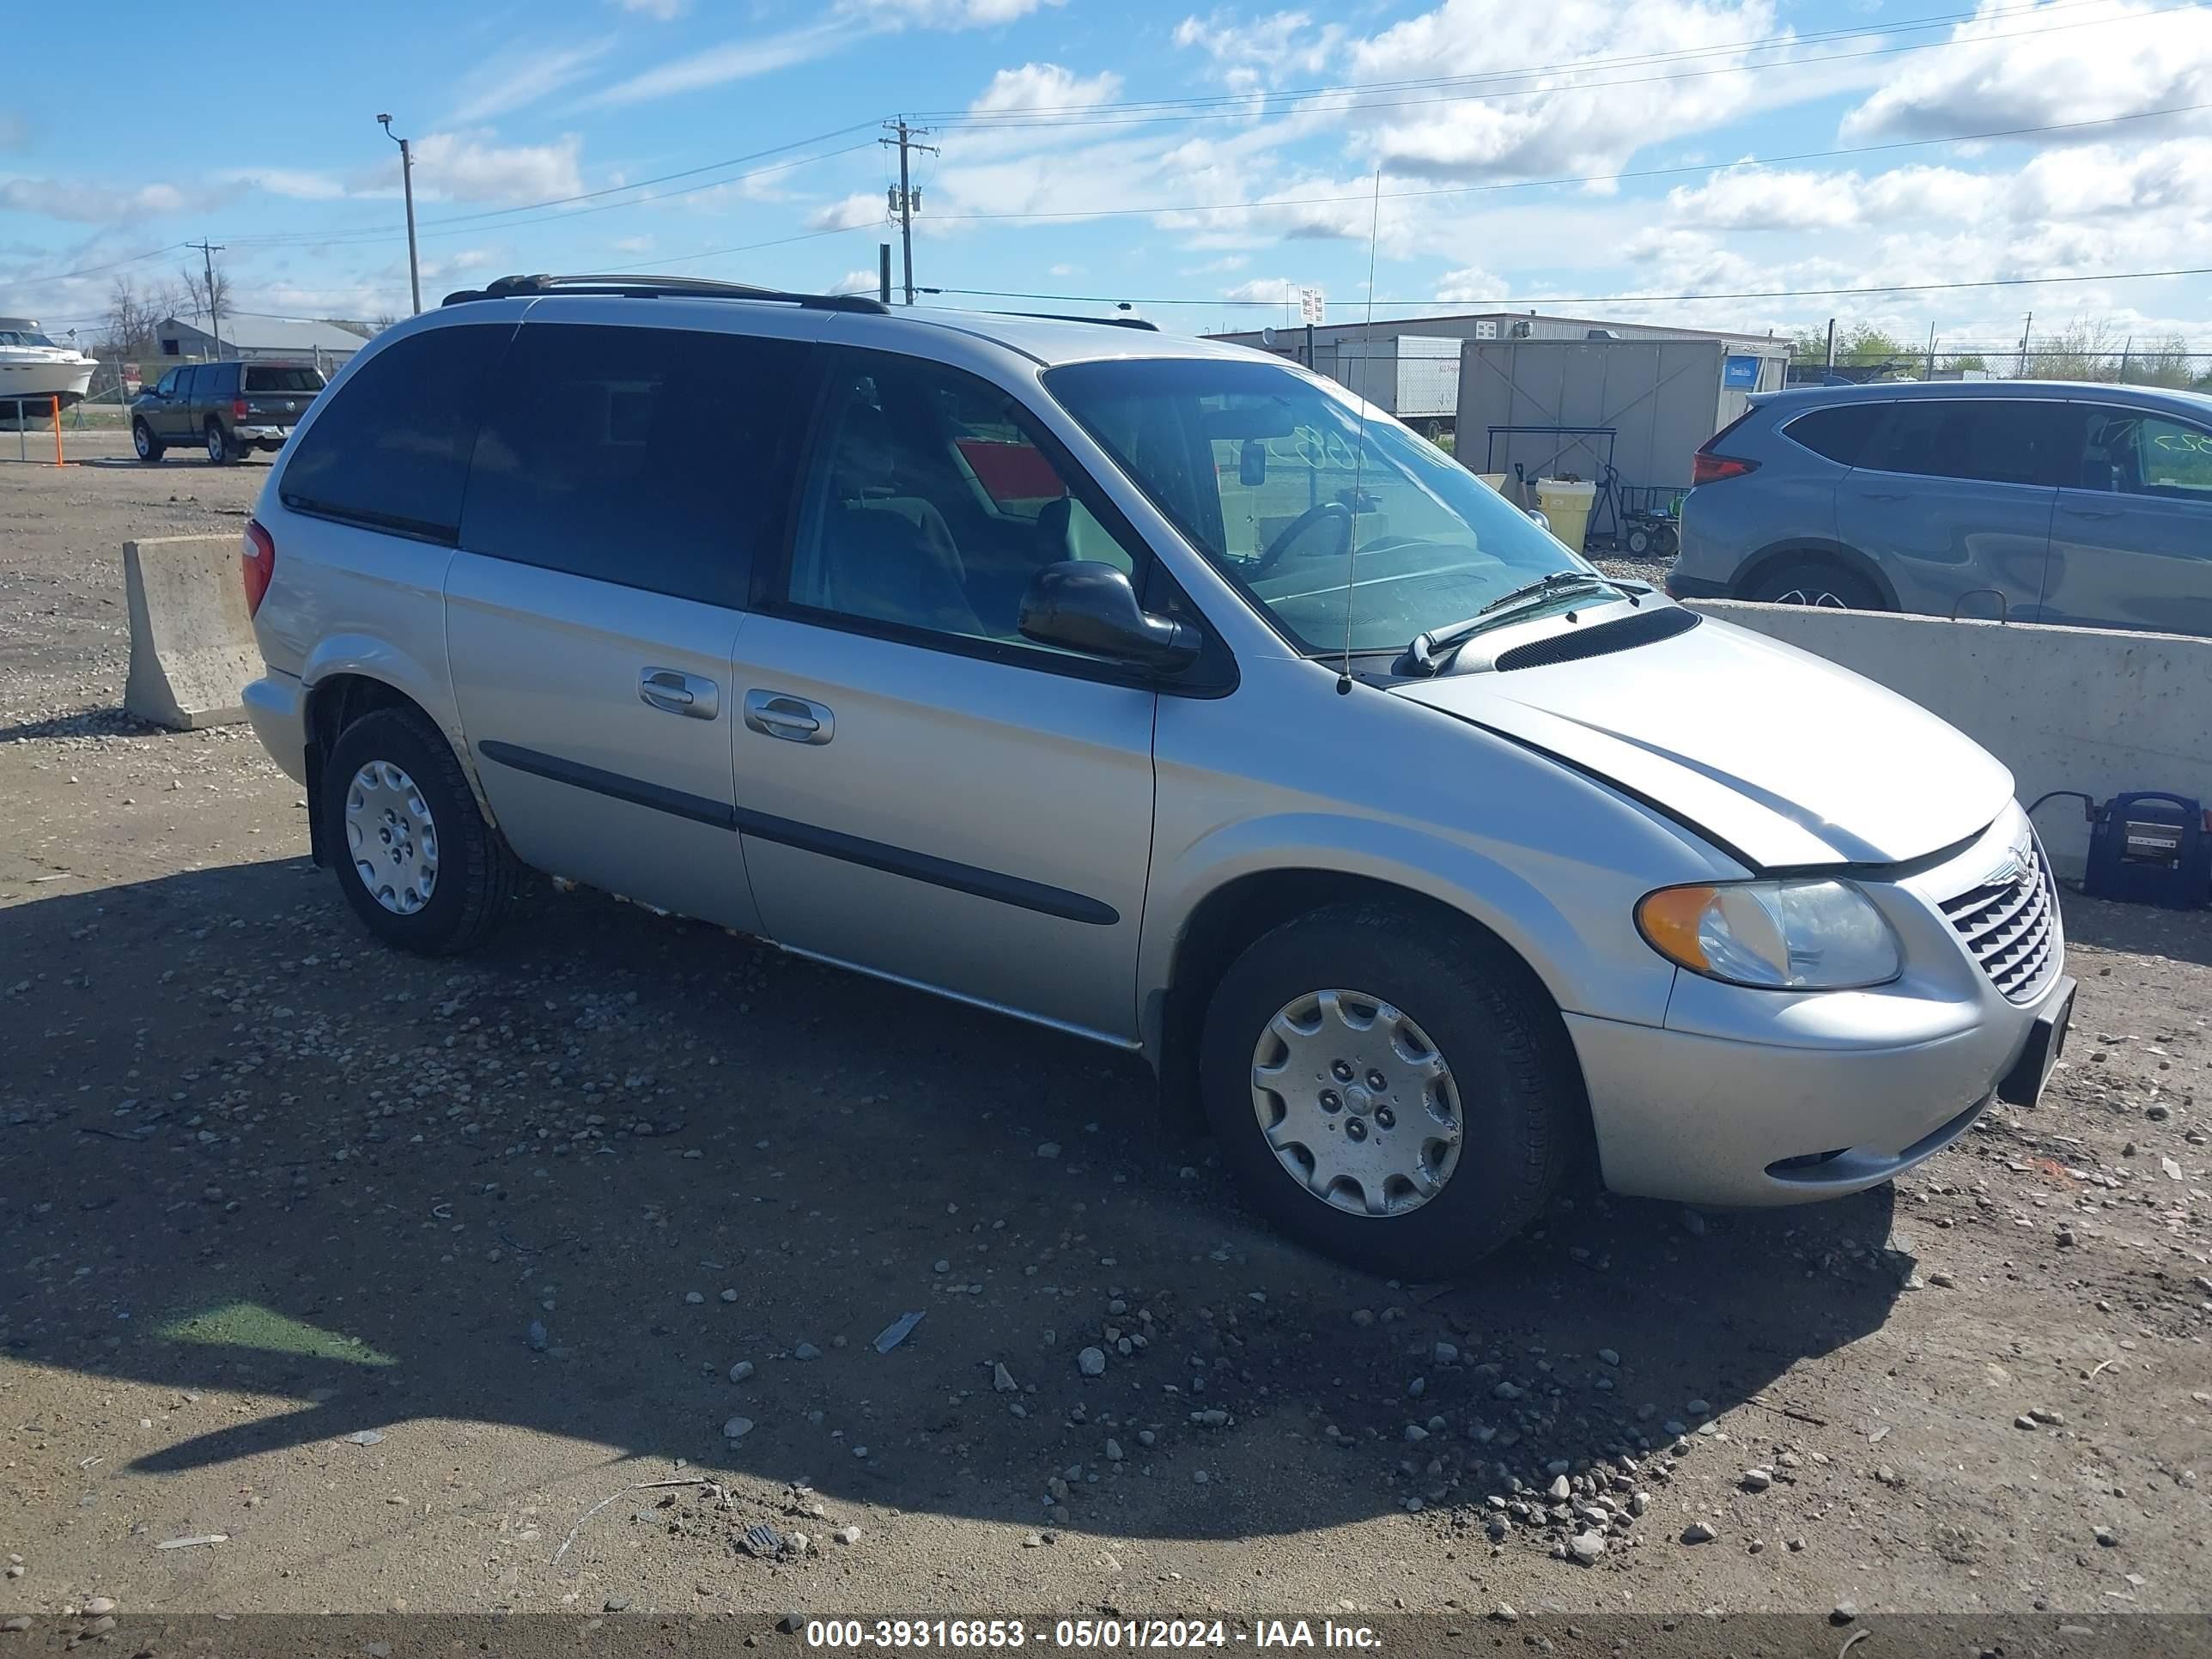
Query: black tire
[476, 876]
[220, 449]
[149, 447]
[1638, 543]
[1518, 1087]
[1818, 582]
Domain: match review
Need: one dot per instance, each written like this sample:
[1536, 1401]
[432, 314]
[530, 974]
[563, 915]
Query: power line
[1282, 203]
[1239, 102]
[94, 271]
[1519, 302]
[1256, 104]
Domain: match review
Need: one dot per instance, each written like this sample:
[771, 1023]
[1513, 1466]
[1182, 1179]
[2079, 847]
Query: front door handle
[778, 714]
[674, 692]
[1886, 494]
[2092, 512]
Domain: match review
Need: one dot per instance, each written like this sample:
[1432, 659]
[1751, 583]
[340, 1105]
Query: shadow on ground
[246, 1149]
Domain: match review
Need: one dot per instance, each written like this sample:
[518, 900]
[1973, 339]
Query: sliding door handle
[778, 714]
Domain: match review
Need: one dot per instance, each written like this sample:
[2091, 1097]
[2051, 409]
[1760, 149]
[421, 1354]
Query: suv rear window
[2013, 440]
[391, 449]
[1840, 434]
[269, 377]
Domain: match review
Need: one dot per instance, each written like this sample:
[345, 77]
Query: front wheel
[143, 440]
[1388, 1090]
[415, 857]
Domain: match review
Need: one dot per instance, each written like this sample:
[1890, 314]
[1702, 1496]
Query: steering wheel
[1335, 513]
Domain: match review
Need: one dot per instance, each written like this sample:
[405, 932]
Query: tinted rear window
[391, 450]
[268, 377]
[1840, 433]
[1987, 439]
[655, 458]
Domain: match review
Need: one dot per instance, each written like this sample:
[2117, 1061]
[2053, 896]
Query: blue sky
[1143, 150]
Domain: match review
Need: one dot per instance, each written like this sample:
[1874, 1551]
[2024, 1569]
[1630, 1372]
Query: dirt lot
[405, 1278]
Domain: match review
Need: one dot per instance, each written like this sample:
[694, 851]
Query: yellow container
[1567, 505]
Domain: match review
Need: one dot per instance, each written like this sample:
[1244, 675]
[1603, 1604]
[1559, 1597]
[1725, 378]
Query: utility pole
[884, 273]
[207, 251]
[1931, 351]
[407, 187]
[2026, 330]
[2126, 351]
[906, 201]
[1832, 343]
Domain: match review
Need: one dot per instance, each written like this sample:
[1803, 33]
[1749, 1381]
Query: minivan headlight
[1776, 935]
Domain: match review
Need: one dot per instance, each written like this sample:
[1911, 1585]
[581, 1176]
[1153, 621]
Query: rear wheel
[1817, 582]
[149, 447]
[1388, 1090]
[218, 444]
[415, 857]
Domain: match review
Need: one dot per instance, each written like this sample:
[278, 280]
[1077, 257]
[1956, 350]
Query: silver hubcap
[138, 436]
[1357, 1105]
[392, 837]
[1817, 596]
[215, 443]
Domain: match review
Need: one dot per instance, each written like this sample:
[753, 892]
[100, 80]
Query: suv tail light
[238, 408]
[258, 560]
[1705, 467]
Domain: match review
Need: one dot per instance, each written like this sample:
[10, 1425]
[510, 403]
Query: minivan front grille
[2010, 925]
[1601, 641]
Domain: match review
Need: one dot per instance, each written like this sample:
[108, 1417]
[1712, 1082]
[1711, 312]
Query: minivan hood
[1775, 753]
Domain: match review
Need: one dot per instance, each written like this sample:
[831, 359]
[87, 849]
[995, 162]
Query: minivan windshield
[1268, 473]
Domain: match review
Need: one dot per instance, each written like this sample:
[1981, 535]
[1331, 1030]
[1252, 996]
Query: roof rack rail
[1070, 317]
[689, 288]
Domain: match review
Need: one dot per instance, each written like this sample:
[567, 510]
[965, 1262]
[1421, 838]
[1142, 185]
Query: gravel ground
[416, 1283]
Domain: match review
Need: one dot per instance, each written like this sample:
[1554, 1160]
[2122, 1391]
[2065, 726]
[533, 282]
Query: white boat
[34, 369]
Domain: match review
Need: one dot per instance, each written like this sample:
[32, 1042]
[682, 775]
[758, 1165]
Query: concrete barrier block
[192, 643]
[2101, 710]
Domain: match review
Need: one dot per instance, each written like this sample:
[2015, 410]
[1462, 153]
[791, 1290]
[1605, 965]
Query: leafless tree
[206, 291]
[133, 314]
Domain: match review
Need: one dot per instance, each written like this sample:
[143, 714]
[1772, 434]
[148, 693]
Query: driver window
[932, 505]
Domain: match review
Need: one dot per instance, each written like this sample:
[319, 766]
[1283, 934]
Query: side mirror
[1536, 517]
[1082, 604]
[1252, 462]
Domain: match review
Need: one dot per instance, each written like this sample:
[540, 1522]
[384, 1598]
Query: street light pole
[407, 186]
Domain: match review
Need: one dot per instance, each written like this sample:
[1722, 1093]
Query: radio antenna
[1359, 451]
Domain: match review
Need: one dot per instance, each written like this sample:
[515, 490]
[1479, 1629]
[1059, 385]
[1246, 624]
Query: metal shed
[1573, 405]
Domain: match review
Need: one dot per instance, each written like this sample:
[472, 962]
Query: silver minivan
[1160, 692]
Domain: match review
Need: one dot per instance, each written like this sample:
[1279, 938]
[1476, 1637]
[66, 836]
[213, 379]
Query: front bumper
[1752, 1097]
[277, 707]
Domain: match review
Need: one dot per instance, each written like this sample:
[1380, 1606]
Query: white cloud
[665, 11]
[514, 80]
[855, 281]
[733, 60]
[1264, 290]
[861, 208]
[1533, 125]
[1986, 81]
[1066, 270]
[1045, 86]
[632, 244]
[294, 182]
[1472, 285]
[470, 166]
[84, 203]
[944, 14]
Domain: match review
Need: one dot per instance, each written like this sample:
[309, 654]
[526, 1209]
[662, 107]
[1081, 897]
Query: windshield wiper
[1427, 649]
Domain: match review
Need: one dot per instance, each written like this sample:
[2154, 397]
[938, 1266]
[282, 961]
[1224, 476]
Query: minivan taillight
[238, 408]
[1705, 467]
[258, 560]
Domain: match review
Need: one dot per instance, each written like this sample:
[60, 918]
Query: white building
[289, 339]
